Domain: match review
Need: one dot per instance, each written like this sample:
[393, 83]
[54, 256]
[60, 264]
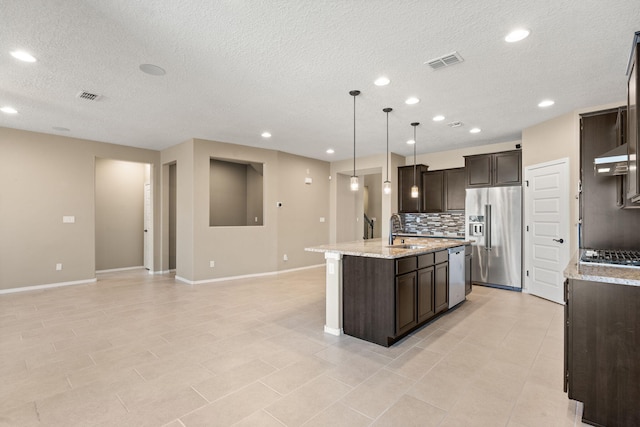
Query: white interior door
[547, 230]
[148, 228]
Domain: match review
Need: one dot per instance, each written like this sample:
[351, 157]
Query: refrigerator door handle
[487, 216]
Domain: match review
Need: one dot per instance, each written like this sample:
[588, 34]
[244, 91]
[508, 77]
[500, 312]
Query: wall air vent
[454, 124]
[445, 61]
[88, 96]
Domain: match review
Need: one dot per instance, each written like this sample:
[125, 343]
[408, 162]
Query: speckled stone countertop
[600, 273]
[379, 248]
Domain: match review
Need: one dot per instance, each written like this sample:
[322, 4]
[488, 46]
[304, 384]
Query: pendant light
[354, 177]
[386, 187]
[414, 189]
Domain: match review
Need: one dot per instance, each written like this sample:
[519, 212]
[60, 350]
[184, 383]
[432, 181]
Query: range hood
[613, 162]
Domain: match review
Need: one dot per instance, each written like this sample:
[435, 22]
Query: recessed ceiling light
[9, 110]
[153, 70]
[23, 56]
[438, 118]
[382, 81]
[411, 101]
[517, 35]
[330, 151]
[265, 135]
[475, 130]
[411, 142]
[546, 103]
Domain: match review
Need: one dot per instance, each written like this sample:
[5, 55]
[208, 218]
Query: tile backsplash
[448, 224]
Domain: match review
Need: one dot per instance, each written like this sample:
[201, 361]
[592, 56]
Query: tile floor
[142, 350]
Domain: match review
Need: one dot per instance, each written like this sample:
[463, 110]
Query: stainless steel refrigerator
[494, 222]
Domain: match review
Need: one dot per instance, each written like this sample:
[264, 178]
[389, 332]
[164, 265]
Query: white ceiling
[236, 68]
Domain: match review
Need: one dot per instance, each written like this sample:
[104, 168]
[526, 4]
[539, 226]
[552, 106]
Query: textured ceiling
[236, 68]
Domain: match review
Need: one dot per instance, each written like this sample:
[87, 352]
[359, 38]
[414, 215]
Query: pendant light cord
[414, 156]
[354, 135]
[387, 146]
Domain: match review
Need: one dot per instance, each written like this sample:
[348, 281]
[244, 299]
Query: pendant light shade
[354, 177]
[414, 189]
[386, 187]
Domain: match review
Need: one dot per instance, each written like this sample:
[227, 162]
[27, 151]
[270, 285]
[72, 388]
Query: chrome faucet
[393, 221]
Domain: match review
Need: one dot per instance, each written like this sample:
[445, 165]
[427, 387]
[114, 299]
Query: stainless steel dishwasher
[456, 276]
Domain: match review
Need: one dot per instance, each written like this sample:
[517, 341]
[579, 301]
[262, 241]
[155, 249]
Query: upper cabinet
[494, 169]
[633, 122]
[406, 179]
[444, 190]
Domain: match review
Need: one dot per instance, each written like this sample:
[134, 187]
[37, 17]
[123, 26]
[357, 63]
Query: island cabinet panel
[426, 294]
[369, 298]
[602, 351]
[406, 310]
[467, 270]
[441, 287]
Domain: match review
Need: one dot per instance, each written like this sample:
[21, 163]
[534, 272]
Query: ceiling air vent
[454, 124]
[445, 61]
[88, 96]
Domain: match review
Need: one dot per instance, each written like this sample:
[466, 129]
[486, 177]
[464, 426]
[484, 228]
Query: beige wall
[227, 193]
[346, 206]
[555, 139]
[119, 213]
[240, 251]
[46, 177]
[303, 205]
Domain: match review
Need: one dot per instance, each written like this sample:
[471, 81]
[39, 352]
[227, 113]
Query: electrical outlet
[212, 264]
[285, 257]
[58, 266]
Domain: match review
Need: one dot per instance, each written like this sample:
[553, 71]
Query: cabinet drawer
[441, 256]
[406, 265]
[426, 260]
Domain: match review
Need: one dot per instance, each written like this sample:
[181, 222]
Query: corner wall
[45, 177]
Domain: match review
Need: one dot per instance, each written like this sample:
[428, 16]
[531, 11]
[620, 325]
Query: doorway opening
[359, 212]
[123, 211]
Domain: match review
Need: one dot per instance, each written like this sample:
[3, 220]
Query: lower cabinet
[384, 299]
[602, 350]
[442, 287]
[426, 291]
[406, 307]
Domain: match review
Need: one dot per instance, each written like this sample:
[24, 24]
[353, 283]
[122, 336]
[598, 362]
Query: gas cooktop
[611, 257]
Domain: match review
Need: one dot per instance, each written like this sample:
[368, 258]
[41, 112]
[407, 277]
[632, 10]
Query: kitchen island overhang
[369, 251]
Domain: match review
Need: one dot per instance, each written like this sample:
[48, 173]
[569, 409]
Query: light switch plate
[68, 219]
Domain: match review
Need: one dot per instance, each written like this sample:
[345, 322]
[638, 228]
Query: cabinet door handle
[559, 240]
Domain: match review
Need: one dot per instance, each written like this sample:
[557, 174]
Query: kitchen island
[602, 342]
[380, 292]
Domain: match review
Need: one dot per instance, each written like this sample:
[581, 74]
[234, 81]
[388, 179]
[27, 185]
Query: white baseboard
[112, 270]
[47, 286]
[245, 276]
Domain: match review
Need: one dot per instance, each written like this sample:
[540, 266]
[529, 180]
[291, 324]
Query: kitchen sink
[406, 246]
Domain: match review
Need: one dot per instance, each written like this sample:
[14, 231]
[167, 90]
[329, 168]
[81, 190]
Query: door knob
[559, 240]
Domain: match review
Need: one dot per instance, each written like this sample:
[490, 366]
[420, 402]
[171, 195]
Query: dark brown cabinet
[406, 203]
[406, 307]
[454, 193]
[385, 299]
[433, 197]
[444, 190]
[493, 169]
[602, 350]
[441, 287]
[426, 288]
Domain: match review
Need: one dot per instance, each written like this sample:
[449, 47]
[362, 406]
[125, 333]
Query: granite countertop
[378, 248]
[601, 273]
